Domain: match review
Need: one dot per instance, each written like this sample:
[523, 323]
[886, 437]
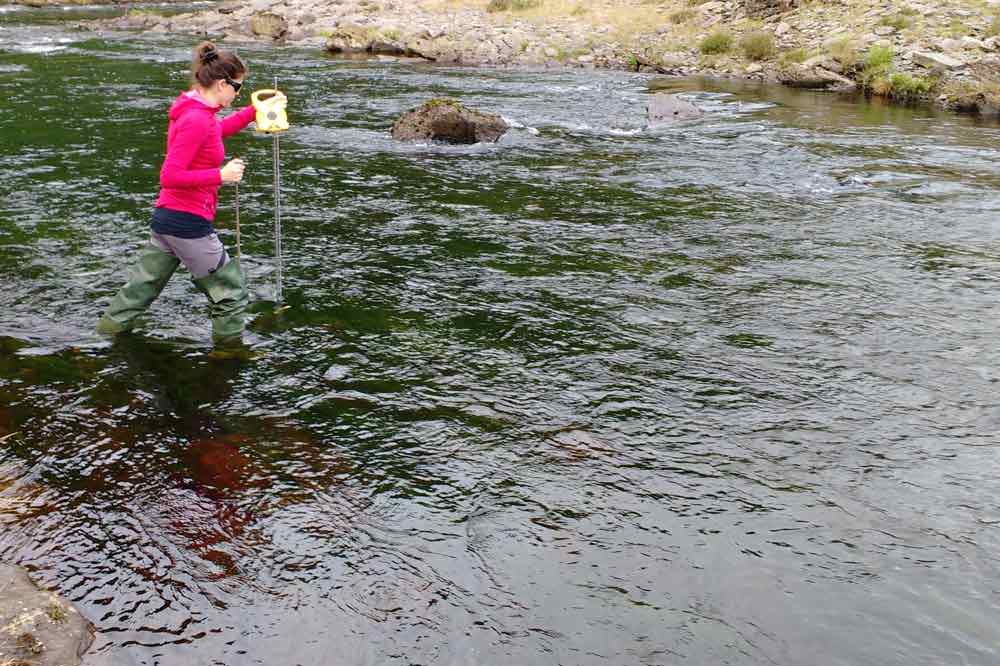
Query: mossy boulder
[36, 626]
[447, 120]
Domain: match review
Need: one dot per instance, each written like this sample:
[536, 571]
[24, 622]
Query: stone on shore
[814, 77]
[936, 61]
[448, 121]
[269, 24]
[349, 38]
[36, 626]
[665, 108]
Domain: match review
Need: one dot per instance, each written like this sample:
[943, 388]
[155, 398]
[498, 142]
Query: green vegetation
[716, 43]
[758, 45]
[55, 612]
[682, 16]
[845, 51]
[908, 88]
[512, 5]
[878, 77]
[897, 21]
[798, 55]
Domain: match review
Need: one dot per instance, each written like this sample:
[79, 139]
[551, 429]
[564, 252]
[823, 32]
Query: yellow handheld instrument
[271, 116]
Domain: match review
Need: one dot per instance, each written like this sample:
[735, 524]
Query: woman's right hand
[233, 172]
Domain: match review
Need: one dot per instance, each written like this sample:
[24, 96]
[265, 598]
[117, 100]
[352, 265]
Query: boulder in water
[449, 121]
[671, 108]
[36, 626]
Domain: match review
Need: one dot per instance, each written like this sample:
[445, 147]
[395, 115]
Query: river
[600, 394]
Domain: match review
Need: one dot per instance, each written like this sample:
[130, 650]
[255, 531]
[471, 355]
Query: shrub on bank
[845, 51]
[511, 5]
[758, 45]
[877, 77]
[716, 43]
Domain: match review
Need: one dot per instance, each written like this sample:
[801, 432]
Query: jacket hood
[186, 102]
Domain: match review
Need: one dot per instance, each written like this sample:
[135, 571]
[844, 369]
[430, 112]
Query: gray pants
[202, 256]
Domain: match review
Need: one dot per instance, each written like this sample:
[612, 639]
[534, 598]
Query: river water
[718, 393]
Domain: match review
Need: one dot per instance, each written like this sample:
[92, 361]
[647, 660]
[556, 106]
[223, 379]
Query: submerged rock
[447, 120]
[36, 626]
[664, 108]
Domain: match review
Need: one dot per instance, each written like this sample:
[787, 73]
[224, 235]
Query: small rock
[973, 43]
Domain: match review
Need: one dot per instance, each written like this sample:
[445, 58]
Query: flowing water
[718, 393]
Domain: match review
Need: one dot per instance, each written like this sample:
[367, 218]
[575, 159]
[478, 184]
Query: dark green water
[723, 393]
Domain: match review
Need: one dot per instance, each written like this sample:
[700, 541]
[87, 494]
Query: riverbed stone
[36, 626]
[448, 121]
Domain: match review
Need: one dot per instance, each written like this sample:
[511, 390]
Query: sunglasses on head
[235, 84]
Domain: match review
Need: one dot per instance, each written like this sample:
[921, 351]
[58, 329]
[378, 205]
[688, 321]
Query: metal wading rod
[238, 225]
[277, 213]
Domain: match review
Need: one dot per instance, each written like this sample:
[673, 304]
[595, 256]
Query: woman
[182, 229]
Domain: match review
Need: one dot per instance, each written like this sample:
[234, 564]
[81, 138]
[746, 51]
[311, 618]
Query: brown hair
[210, 65]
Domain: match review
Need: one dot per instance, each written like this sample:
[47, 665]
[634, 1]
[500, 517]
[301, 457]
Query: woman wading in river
[182, 229]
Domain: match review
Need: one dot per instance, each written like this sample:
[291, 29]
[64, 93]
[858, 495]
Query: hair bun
[209, 54]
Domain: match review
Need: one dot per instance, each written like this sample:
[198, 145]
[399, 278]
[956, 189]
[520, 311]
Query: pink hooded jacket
[190, 178]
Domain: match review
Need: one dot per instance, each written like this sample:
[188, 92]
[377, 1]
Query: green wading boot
[146, 279]
[227, 294]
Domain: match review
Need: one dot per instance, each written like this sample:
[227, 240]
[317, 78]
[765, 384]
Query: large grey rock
[664, 108]
[36, 626]
[937, 61]
[448, 121]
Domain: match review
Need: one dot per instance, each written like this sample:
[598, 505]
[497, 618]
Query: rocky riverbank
[942, 51]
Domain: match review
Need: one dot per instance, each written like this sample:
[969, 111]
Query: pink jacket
[190, 178]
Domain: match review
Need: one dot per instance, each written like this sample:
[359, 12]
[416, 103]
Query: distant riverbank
[947, 52]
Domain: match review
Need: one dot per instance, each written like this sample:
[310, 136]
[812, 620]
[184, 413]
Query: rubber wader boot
[146, 279]
[227, 294]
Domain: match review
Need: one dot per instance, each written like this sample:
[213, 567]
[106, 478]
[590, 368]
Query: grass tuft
[716, 43]
[758, 45]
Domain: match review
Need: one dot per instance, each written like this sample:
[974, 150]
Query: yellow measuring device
[271, 116]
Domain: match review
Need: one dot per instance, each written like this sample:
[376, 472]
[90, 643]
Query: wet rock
[449, 121]
[814, 78]
[268, 24]
[36, 626]
[665, 108]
